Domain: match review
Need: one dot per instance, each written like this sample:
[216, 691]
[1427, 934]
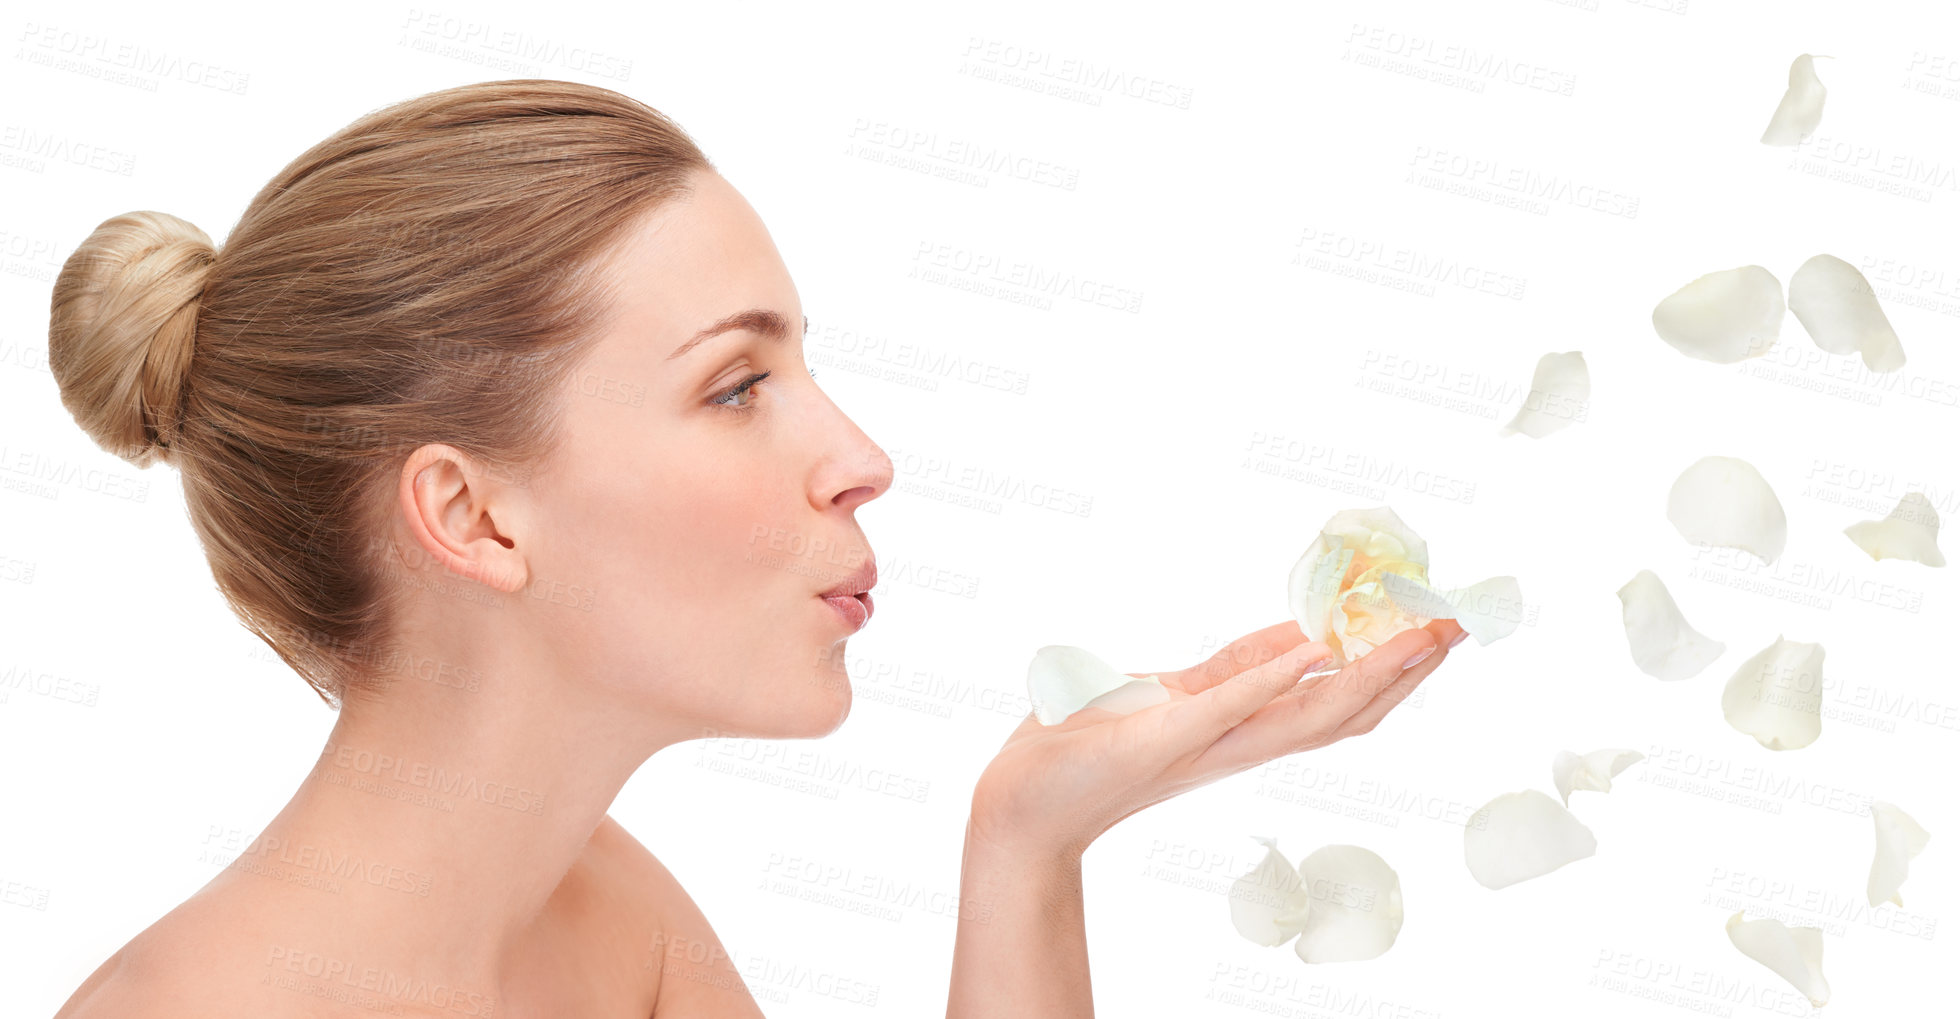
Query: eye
[740, 389]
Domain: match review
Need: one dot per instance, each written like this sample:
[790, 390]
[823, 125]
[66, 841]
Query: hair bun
[122, 328]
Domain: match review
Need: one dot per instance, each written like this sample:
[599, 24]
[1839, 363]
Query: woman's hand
[1052, 789]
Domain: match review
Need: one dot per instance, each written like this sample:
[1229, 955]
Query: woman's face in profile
[696, 510]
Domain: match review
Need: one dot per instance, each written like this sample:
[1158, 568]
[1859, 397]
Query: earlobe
[445, 503]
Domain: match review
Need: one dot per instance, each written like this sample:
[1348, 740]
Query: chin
[814, 705]
[835, 711]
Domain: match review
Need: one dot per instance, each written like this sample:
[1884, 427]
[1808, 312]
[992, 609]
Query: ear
[449, 503]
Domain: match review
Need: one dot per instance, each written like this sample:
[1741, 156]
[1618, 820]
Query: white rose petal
[1269, 904]
[1560, 388]
[1801, 108]
[1354, 905]
[1664, 645]
[1063, 680]
[1487, 610]
[1724, 317]
[1794, 953]
[1382, 531]
[1334, 588]
[1900, 838]
[1314, 584]
[1911, 531]
[1522, 835]
[1839, 309]
[1776, 695]
[1572, 772]
[1721, 500]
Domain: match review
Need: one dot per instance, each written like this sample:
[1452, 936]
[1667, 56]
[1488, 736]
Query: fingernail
[1458, 639]
[1320, 660]
[1419, 656]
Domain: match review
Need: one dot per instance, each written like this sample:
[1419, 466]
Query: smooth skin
[655, 582]
[1051, 790]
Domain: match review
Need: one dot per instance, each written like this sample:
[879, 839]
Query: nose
[869, 479]
[853, 470]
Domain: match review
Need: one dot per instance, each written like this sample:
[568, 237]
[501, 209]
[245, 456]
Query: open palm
[1057, 787]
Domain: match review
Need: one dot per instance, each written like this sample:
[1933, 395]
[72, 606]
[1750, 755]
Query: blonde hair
[430, 273]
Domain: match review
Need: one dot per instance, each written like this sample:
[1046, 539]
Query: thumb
[1209, 715]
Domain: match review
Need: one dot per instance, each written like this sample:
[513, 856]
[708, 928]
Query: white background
[1141, 482]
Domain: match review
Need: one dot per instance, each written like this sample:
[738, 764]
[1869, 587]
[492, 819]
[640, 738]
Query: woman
[504, 384]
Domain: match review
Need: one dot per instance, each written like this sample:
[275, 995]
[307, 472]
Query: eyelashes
[742, 388]
[746, 387]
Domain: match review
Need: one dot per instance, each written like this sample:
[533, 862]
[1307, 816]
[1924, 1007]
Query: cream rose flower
[1366, 579]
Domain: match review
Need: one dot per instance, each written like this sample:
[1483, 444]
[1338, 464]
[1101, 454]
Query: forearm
[1022, 948]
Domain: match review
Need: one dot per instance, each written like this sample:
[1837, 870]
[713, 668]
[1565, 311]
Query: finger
[1449, 633]
[1371, 714]
[1309, 715]
[1250, 651]
[1202, 719]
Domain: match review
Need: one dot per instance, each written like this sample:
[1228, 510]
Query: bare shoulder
[184, 963]
[614, 856]
[618, 936]
[83, 1004]
[695, 974]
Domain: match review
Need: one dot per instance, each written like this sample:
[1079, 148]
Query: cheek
[680, 542]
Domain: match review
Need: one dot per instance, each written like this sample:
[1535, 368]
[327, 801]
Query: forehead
[695, 260]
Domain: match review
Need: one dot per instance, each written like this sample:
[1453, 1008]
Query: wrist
[988, 845]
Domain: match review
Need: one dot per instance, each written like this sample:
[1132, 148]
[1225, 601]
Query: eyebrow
[762, 321]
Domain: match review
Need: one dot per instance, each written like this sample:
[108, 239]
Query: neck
[441, 815]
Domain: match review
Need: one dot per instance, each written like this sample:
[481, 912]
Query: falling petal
[1839, 309]
[1664, 645]
[1354, 905]
[1487, 610]
[1572, 773]
[1269, 904]
[1911, 531]
[1724, 317]
[1900, 838]
[1559, 390]
[1522, 835]
[1802, 106]
[1794, 953]
[1723, 501]
[1063, 680]
[1776, 695]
